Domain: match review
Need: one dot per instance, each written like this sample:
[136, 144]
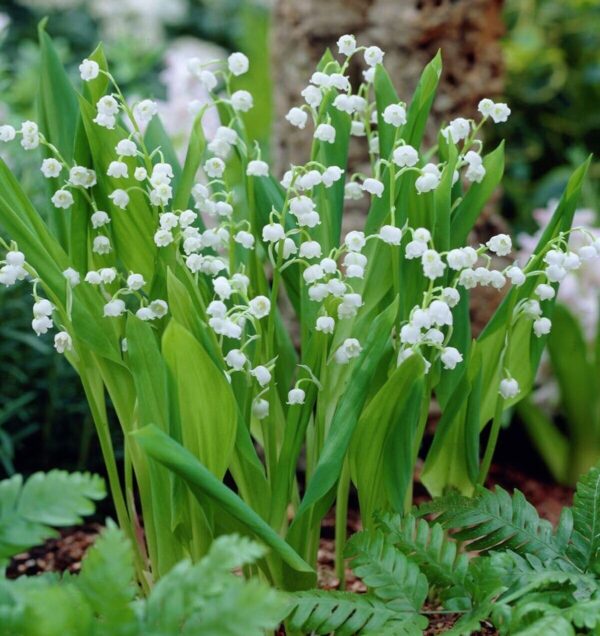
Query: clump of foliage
[163, 285]
[501, 563]
[552, 58]
[204, 598]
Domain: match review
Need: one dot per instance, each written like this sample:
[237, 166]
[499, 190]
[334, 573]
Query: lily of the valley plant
[163, 283]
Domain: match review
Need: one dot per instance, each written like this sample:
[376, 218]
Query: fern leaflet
[427, 545]
[493, 520]
[586, 518]
[344, 614]
[386, 571]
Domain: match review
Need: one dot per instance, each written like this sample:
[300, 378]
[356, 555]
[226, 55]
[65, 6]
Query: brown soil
[63, 554]
[442, 623]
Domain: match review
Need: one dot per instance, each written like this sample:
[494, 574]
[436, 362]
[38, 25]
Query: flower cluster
[219, 246]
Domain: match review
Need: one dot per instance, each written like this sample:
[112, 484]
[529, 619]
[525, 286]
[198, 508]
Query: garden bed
[65, 553]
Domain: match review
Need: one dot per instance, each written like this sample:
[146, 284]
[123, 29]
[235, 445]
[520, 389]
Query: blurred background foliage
[552, 60]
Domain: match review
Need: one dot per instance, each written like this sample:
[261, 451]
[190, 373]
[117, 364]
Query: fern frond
[584, 614]
[493, 520]
[386, 571]
[29, 511]
[233, 551]
[107, 582]
[585, 539]
[549, 625]
[345, 613]
[207, 598]
[426, 544]
[550, 614]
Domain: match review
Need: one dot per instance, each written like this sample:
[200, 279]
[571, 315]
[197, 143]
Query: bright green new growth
[180, 325]
[205, 598]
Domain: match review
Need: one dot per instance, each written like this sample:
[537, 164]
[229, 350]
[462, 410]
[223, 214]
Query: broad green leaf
[79, 237]
[153, 407]
[442, 202]
[385, 94]
[268, 195]
[194, 155]
[386, 419]
[186, 308]
[132, 229]
[452, 460]
[330, 201]
[156, 137]
[57, 117]
[420, 105]
[206, 403]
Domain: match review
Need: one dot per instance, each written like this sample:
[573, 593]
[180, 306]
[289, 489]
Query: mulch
[64, 553]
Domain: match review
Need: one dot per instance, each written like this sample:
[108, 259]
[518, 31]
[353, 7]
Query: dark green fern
[388, 573]
[501, 563]
[345, 614]
[586, 518]
[427, 545]
[493, 520]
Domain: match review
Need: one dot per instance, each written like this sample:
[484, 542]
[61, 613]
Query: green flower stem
[341, 518]
[103, 431]
[497, 421]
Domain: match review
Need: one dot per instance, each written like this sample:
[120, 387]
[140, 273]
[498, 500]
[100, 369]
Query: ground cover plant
[165, 287]
[501, 564]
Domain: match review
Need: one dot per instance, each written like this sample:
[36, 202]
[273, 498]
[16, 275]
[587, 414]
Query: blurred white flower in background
[4, 23]
[185, 95]
[578, 292]
[50, 5]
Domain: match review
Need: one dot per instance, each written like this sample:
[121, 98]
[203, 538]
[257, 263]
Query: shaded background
[541, 56]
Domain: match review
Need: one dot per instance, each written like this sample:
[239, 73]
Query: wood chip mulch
[62, 554]
[442, 623]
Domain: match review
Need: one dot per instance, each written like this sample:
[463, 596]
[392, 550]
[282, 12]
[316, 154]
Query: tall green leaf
[209, 431]
[385, 418]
